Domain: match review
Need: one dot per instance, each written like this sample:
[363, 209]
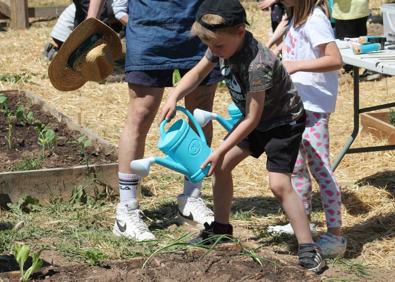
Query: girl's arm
[329, 61]
[95, 7]
[277, 36]
[254, 109]
[189, 82]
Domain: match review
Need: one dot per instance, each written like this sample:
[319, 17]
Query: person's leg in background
[62, 29]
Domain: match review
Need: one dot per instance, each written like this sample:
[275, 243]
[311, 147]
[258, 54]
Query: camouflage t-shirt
[256, 69]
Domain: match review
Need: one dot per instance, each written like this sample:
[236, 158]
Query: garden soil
[67, 151]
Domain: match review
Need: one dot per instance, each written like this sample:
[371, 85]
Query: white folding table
[381, 62]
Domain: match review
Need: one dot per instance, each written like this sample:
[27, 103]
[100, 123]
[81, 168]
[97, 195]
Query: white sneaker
[287, 229]
[331, 245]
[128, 223]
[194, 211]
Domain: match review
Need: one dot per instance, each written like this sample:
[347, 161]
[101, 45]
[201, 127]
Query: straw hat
[88, 54]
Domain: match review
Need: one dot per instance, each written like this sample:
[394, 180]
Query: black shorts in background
[281, 145]
[351, 28]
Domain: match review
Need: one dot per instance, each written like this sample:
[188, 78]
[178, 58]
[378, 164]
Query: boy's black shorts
[281, 145]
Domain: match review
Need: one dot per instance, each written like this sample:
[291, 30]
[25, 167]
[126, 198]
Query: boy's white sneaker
[287, 229]
[194, 211]
[331, 245]
[128, 223]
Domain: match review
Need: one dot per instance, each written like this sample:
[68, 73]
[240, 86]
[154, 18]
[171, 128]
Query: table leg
[354, 133]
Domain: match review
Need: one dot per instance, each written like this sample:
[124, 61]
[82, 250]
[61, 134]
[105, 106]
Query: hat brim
[63, 77]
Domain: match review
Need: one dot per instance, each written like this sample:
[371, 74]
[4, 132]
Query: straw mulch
[367, 180]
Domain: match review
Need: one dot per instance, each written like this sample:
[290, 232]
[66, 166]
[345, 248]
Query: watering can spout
[171, 164]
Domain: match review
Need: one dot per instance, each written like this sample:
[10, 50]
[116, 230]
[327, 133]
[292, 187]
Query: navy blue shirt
[158, 35]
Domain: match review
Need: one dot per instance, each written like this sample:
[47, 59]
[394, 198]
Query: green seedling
[26, 204]
[391, 117]
[93, 256]
[24, 117]
[47, 139]
[15, 78]
[30, 163]
[21, 253]
[10, 119]
[84, 143]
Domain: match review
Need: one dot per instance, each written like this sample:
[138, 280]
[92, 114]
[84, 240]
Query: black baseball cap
[231, 10]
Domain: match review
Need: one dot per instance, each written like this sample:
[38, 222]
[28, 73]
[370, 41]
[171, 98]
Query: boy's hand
[216, 158]
[168, 110]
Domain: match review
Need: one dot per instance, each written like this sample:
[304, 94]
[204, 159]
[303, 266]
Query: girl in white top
[312, 58]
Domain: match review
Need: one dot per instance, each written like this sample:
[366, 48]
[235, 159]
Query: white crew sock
[192, 189]
[127, 187]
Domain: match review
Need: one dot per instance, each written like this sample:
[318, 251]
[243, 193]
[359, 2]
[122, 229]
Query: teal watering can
[185, 150]
[203, 117]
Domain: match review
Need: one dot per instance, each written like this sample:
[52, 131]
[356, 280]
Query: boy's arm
[254, 109]
[329, 61]
[95, 7]
[189, 82]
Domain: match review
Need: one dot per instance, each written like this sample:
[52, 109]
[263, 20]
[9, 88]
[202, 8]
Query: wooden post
[19, 14]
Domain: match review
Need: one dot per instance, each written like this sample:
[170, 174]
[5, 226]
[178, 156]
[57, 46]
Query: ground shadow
[373, 229]
[383, 179]
[163, 216]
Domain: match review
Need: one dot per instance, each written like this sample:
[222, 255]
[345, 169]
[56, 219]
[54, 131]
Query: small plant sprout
[84, 143]
[24, 117]
[10, 119]
[47, 139]
[21, 253]
[391, 116]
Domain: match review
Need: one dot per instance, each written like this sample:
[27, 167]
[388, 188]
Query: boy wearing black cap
[273, 121]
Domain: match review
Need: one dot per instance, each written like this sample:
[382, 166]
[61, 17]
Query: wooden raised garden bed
[378, 125]
[45, 154]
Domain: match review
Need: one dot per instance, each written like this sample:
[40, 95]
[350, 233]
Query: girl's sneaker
[331, 245]
[287, 229]
[310, 257]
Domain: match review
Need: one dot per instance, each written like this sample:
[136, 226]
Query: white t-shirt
[317, 90]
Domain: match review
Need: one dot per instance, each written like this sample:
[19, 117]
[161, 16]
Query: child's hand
[264, 4]
[168, 110]
[216, 158]
[290, 66]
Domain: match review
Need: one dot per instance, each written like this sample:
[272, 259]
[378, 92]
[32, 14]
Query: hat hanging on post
[88, 54]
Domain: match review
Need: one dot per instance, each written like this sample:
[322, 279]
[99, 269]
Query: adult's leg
[202, 98]
[143, 105]
[191, 207]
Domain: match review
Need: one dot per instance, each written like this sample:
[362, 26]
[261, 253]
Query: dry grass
[367, 180]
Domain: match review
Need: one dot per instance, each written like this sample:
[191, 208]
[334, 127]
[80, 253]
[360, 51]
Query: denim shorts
[164, 78]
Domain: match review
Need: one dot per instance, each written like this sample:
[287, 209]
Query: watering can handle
[190, 117]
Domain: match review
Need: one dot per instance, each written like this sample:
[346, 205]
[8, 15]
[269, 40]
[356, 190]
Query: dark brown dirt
[193, 265]
[66, 152]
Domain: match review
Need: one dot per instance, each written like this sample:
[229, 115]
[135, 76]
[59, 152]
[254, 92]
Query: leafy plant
[26, 204]
[30, 163]
[47, 139]
[21, 253]
[15, 78]
[93, 256]
[84, 143]
[24, 117]
[10, 119]
[391, 117]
